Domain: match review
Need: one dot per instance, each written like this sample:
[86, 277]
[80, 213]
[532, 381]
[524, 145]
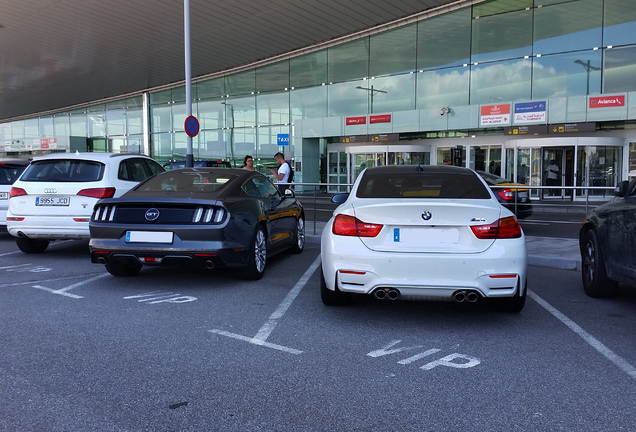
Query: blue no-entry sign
[191, 126]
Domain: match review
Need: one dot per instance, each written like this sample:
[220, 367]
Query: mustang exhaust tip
[101, 260]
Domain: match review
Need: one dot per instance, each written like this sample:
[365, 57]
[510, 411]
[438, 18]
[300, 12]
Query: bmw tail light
[107, 192]
[507, 227]
[346, 225]
[16, 191]
[506, 194]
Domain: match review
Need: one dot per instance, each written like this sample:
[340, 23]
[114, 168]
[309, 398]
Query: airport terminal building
[501, 86]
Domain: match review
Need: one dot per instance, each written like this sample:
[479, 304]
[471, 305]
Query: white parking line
[268, 327]
[63, 291]
[591, 340]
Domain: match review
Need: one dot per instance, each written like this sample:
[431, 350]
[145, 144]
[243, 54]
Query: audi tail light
[107, 192]
[346, 225]
[16, 191]
[507, 227]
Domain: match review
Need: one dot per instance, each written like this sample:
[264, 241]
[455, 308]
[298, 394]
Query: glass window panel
[5, 132]
[443, 87]
[211, 114]
[501, 81]
[347, 99]
[444, 40]
[134, 119]
[164, 96]
[240, 83]
[273, 108]
[96, 121]
[274, 77]
[243, 142]
[17, 129]
[46, 126]
[31, 128]
[308, 103]
[309, 69]
[619, 70]
[214, 144]
[78, 123]
[494, 7]
[548, 2]
[115, 118]
[178, 117]
[568, 27]
[210, 89]
[397, 93]
[268, 144]
[502, 36]
[241, 112]
[349, 61]
[620, 22]
[393, 51]
[178, 94]
[161, 118]
[569, 74]
[62, 127]
[135, 143]
[161, 147]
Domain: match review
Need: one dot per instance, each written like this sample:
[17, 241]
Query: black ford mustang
[208, 217]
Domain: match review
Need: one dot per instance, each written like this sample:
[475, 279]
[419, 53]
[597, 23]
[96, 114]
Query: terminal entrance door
[557, 170]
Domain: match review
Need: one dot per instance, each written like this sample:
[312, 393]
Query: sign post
[188, 84]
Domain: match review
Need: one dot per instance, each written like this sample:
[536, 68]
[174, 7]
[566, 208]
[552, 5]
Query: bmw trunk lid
[441, 226]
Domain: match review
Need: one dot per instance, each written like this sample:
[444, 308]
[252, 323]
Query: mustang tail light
[16, 191]
[506, 194]
[507, 227]
[346, 225]
[107, 192]
[208, 215]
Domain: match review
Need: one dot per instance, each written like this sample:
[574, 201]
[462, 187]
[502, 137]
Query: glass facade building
[571, 57]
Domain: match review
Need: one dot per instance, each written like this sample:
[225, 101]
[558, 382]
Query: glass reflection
[308, 103]
[566, 74]
[347, 99]
[620, 22]
[619, 70]
[444, 40]
[443, 87]
[392, 93]
[500, 81]
[503, 36]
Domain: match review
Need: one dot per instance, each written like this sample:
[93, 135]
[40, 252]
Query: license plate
[52, 201]
[426, 236]
[148, 237]
[4, 195]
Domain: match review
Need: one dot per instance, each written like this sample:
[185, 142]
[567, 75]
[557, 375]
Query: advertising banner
[530, 112]
[494, 115]
[382, 118]
[607, 101]
[355, 120]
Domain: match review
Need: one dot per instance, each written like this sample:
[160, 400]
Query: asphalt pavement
[558, 253]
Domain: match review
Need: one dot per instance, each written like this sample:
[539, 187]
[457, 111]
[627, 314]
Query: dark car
[505, 191]
[206, 217]
[607, 241]
[198, 164]
[10, 170]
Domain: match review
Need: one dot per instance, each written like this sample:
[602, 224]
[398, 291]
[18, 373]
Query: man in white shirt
[282, 175]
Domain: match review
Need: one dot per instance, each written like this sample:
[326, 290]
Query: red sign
[495, 115]
[495, 109]
[607, 101]
[356, 120]
[382, 118]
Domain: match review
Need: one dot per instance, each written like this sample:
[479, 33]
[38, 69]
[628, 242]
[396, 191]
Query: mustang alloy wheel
[299, 236]
[258, 255]
[593, 274]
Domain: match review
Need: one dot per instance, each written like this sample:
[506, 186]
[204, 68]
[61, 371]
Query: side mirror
[339, 198]
[622, 189]
[289, 193]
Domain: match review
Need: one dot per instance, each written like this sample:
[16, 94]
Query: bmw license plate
[4, 195]
[53, 201]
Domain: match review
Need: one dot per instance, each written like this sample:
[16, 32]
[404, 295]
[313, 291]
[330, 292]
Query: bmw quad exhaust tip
[468, 296]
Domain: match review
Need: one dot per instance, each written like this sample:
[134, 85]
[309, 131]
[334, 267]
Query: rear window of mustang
[64, 170]
[422, 185]
[189, 182]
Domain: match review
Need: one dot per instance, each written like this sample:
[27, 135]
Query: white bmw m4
[423, 233]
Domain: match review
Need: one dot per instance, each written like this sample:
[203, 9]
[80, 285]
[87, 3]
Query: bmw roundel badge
[152, 214]
[427, 215]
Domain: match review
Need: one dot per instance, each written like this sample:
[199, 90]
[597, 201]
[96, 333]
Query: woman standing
[248, 163]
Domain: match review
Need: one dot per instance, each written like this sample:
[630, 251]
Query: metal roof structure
[63, 53]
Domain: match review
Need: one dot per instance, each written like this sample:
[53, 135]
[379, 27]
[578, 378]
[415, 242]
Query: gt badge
[152, 214]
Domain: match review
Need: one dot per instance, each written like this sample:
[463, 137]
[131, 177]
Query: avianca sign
[607, 101]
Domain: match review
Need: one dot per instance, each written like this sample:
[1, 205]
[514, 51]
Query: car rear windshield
[10, 173]
[187, 181]
[64, 170]
[407, 184]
